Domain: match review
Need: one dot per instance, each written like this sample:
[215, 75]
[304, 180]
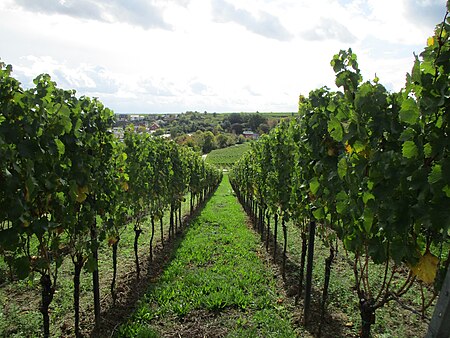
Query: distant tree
[194, 126]
[175, 131]
[237, 128]
[273, 122]
[255, 120]
[141, 129]
[194, 115]
[222, 140]
[235, 118]
[226, 125]
[232, 139]
[241, 139]
[217, 129]
[198, 138]
[158, 132]
[263, 128]
[208, 142]
[189, 141]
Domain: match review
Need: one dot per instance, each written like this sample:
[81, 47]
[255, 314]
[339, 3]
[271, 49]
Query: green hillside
[226, 157]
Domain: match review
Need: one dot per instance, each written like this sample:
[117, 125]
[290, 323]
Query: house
[248, 134]
[122, 117]
[154, 126]
[134, 117]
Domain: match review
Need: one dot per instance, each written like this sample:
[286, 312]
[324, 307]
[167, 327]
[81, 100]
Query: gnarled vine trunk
[326, 283]
[275, 235]
[283, 223]
[47, 296]
[95, 276]
[137, 233]
[78, 263]
[367, 312]
[152, 236]
[113, 282]
[302, 265]
[309, 270]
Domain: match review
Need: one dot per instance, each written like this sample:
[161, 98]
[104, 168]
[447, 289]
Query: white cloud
[425, 12]
[262, 23]
[138, 12]
[84, 78]
[329, 29]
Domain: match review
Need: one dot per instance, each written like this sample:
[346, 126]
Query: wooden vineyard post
[309, 269]
[440, 323]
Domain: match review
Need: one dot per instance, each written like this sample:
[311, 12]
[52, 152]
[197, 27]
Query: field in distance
[226, 157]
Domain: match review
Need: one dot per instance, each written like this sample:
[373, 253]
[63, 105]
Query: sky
[156, 56]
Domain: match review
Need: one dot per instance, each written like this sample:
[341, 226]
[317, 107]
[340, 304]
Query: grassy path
[216, 284]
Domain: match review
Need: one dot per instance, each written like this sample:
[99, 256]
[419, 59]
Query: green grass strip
[215, 280]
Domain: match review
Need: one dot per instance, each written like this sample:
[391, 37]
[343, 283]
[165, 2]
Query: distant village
[173, 125]
[141, 123]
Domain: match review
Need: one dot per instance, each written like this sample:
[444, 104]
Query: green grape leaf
[91, 264]
[342, 168]
[60, 146]
[368, 219]
[409, 149]
[435, 174]
[415, 74]
[428, 67]
[367, 196]
[331, 106]
[9, 239]
[314, 185]
[335, 129]
[407, 135]
[341, 202]
[446, 189]
[409, 113]
[318, 214]
[22, 267]
[358, 146]
[427, 150]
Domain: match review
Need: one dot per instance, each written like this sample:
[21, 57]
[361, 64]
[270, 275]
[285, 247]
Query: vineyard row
[67, 184]
[368, 167]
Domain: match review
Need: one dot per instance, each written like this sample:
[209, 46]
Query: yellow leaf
[82, 193]
[430, 41]
[426, 268]
[27, 194]
[112, 241]
[125, 186]
[81, 198]
[348, 148]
